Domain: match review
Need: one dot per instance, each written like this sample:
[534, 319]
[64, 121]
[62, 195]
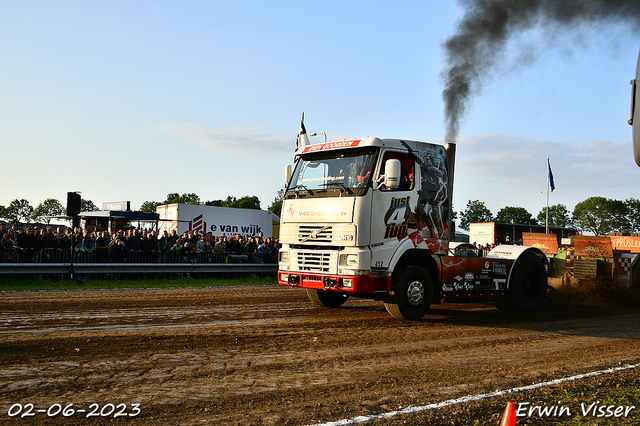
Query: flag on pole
[303, 139]
[551, 183]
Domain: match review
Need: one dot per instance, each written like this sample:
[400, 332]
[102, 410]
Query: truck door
[391, 210]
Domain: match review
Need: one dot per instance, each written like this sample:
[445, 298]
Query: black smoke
[487, 26]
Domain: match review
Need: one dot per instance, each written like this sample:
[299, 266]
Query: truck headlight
[284, 256]
[352, 260]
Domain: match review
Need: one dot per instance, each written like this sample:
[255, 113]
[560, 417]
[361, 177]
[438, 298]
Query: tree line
[20, 211]
[598, 215]
[246, 202]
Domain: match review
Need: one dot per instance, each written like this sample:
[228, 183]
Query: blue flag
[551, 183]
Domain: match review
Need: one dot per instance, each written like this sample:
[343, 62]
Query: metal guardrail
[49, 255]
[137, 268]
[49, 261]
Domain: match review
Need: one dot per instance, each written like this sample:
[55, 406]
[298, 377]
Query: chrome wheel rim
[415, 293]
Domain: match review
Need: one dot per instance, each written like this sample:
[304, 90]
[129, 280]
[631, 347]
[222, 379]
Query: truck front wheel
[327, 298]
[527, 286]
[412, 294]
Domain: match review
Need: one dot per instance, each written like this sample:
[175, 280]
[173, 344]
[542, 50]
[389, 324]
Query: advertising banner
[548, 243]
[482, 233]
[626, 243]
[588, 246]
[217, 220]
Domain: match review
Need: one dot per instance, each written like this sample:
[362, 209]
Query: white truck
[370, 218]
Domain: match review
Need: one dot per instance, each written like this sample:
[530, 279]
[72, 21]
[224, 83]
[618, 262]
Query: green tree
[559, 216]
[88, 206]
[276, 205]
[150, 206]
[246, 202]
[633, 214]
[515, 215]
[18, 211]
[601, 215]
[46, 209]
[476, 212]
[187, 198]
[172, 198]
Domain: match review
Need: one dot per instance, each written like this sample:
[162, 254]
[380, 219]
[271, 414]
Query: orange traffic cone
[509, 416]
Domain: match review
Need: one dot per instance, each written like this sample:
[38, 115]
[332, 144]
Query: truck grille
[314, 261]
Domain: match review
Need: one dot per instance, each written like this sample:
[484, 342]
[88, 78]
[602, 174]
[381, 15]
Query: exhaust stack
[450, 148]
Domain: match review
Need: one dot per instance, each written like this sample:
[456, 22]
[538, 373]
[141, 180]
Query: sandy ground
[266, 356]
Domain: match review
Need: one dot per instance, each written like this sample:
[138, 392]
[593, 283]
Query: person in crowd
[150, 246]
[185, 252]
[102, 247]
[134, 241]
[88, 242]
[235, 246]
[275, 249]
[49, 244]
[201, 245]
[173, 237]
[117, 251]
[78, 251]
[220, 245]
[3, 229]
[64, 245]
[37, 234]
[78, 235]
[27, 244]
[6, 248]
[265, 252]
[250, 246]
[209, 247]
[13, 237]
[164, 247]
[175, 251]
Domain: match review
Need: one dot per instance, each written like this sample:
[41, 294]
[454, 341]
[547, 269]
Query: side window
[407, 174]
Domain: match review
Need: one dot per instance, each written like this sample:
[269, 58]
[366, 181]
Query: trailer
[217, 220]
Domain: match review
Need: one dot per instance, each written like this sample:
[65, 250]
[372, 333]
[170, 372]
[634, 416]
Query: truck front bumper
[346, 283]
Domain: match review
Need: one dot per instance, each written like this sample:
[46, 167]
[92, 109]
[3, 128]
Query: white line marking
[410, 410]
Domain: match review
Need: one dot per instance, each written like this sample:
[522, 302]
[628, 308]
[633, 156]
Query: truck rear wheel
[327, 298]
[527, 286]
[412, 294]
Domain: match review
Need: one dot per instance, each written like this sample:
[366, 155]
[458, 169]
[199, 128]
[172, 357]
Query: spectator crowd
[35, 244]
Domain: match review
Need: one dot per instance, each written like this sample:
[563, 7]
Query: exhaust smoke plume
[482, 35]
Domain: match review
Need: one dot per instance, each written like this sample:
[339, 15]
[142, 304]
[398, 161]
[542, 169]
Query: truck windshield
[333, 172]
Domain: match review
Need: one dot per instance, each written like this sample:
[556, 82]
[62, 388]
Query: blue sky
[135, 100]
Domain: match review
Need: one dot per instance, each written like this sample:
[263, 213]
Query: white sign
[217, 220]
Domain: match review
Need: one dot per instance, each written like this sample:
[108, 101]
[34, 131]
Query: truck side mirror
[287, 175]
[392, 168]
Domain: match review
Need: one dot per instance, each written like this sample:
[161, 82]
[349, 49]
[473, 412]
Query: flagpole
[548, 184]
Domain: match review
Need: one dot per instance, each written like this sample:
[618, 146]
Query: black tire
[527, 286]
[412, 294]
[327, 298]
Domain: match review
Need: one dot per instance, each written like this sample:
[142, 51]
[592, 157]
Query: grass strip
[36, 284]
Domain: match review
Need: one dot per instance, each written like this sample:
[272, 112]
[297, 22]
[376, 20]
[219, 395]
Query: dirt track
[267, 356]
